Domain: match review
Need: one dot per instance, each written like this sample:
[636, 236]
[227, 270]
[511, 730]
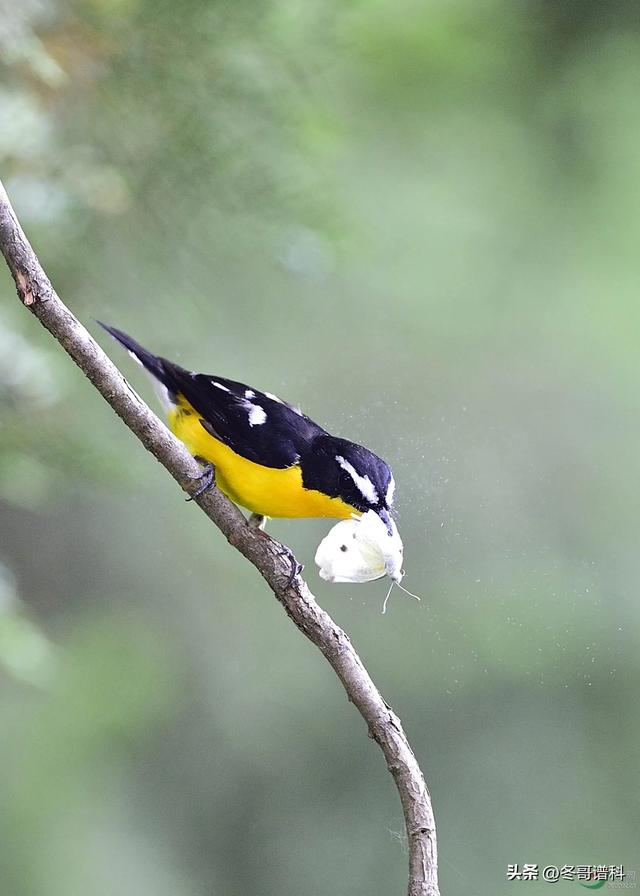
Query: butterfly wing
[376, 538]
[343, 557]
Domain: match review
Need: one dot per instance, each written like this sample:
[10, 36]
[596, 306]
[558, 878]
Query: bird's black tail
[152, 363]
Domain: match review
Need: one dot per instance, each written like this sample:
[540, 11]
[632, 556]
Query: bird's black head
[343, 469]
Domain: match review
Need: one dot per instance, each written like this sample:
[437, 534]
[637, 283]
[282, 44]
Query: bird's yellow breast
[263, 490]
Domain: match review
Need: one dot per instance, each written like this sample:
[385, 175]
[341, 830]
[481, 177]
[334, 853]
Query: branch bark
[38, 296]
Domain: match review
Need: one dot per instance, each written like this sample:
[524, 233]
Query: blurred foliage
[418, 221]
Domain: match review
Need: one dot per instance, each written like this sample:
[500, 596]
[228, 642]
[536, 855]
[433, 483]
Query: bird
[265, 454]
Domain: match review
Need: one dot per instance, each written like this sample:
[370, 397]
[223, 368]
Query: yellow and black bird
[267, 455]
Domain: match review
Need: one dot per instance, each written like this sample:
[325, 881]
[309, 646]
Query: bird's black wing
[256, 425]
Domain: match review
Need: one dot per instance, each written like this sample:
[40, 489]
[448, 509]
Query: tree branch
[37, 294]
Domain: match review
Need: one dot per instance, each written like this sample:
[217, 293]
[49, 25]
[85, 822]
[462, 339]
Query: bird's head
[351, 472]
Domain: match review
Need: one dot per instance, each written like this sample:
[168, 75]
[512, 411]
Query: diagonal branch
[37, 294]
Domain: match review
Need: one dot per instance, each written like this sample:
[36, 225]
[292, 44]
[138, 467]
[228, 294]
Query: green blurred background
[419, 220]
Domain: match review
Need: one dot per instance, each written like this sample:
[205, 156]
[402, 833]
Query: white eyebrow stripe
[391, 491]
[257, 415]
[274, 397]
[364, 485]
[219, 386]
[249, 393]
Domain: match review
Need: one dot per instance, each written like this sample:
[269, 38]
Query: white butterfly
[362, 549]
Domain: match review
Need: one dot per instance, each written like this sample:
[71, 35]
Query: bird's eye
[343, 547]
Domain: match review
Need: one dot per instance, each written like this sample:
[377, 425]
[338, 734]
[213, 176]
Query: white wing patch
[257, 415]
[280, 401]
[364, 485]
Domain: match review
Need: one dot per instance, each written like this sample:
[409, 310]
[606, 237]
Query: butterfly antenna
[406, 591]
[384, 605]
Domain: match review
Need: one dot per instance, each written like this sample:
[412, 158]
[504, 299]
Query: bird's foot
[257, 522]
[207, 480]
[295, 567]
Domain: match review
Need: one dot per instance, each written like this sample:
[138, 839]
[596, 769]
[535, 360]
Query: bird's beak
[383, 513]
